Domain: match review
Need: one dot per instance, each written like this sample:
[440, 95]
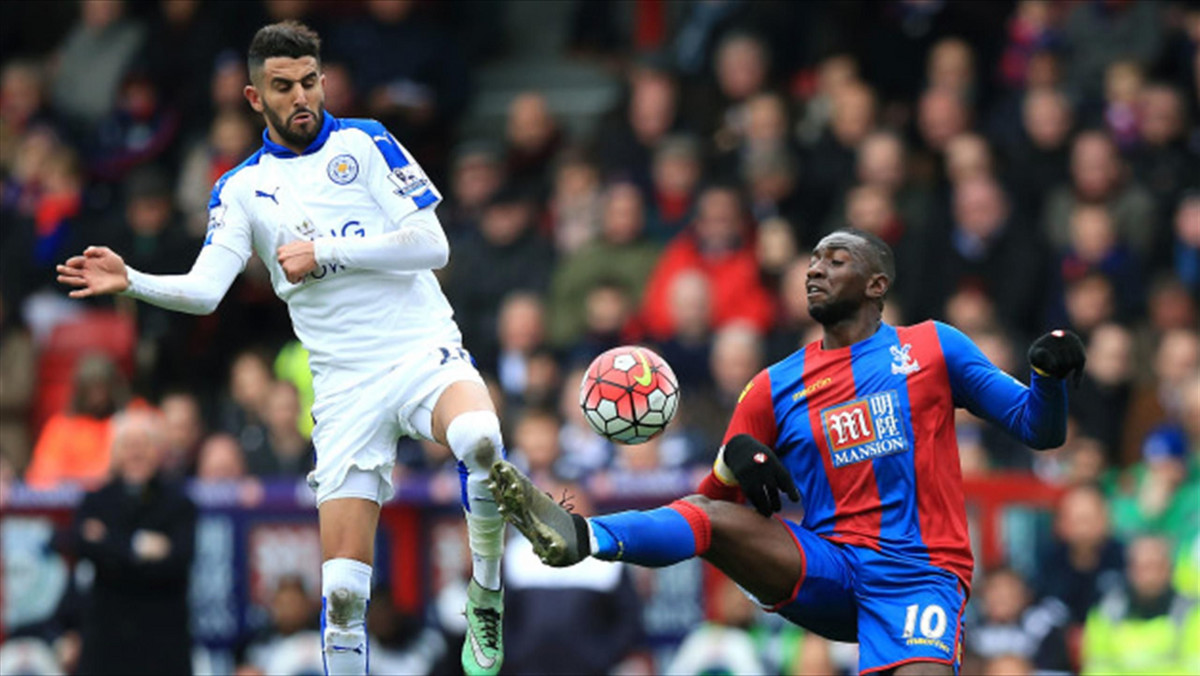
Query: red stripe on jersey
[753, 415]
[941, 509]
[755, 412]
[858, 509]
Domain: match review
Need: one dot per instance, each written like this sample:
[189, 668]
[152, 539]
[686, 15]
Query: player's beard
[298, 139]
[833, 312]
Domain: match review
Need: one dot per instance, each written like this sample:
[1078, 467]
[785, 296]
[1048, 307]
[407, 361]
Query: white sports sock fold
[345, 593]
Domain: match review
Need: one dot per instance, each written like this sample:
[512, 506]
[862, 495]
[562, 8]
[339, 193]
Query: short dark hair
[877, 252]
[286, 38]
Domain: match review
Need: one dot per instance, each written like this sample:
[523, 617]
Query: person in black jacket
[1086, 561]
[138, 530]
[507, 254]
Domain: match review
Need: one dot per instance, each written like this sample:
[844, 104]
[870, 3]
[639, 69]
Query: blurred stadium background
[616, 172]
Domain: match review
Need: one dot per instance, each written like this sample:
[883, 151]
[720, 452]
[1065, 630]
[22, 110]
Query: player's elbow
[440, 257]
[1048, 441]
[205, 305]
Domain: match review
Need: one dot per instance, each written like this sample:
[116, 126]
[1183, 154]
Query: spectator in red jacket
[720, 244]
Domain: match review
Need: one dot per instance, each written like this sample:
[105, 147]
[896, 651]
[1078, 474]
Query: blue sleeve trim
[425, 199]
[387, 145]
[215, 199]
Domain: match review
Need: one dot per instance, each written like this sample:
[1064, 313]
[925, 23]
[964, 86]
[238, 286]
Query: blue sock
[659, 537]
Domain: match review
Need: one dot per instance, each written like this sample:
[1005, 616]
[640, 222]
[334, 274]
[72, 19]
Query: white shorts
[357, 429]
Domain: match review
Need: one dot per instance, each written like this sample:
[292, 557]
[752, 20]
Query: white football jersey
[354, 180]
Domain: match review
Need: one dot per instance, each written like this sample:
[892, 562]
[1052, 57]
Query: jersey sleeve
[755, 413]
[228, 224]
[198, 292]
[1037, 415]
[395, 180]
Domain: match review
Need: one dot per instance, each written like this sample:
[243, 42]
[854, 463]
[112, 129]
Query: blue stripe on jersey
[425, 199]
[895, 475]
[215, 198]
[387, 145]
[795, 445]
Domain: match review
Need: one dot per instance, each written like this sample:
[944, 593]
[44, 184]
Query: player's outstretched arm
[1037, 415]
[100, 271]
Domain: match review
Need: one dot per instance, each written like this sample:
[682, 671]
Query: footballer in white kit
[381, 338]
[343, 217]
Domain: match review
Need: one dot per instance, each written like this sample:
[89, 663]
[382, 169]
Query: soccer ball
[629, 394]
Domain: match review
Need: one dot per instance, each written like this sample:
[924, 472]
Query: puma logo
[268, 195]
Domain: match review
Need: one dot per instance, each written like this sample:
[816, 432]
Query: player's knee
[702, 502]
[722, 516]
[475, 439]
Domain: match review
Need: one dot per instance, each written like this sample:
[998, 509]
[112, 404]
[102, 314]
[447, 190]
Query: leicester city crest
[342, 169]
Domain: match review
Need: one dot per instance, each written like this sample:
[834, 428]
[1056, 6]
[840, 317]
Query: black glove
[1058, 354]
[759, 473]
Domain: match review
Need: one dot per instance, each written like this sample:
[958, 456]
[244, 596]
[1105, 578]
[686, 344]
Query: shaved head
[849, 274]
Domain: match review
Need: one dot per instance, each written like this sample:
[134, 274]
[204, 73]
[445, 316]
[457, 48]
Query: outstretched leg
[757, 553]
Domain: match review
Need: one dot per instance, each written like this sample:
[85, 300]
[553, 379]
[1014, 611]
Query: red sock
[698, 519]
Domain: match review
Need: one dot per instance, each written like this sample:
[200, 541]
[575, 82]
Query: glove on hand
[759, 473]
[1058, 354]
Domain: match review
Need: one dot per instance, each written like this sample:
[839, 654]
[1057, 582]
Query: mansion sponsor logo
[864, 428]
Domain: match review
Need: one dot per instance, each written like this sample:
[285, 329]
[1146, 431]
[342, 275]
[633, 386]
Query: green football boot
[483, 647]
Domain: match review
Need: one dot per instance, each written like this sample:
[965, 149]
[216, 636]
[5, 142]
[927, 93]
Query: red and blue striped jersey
[867, 432]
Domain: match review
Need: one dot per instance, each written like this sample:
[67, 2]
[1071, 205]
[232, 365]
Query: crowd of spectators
[1033, 164]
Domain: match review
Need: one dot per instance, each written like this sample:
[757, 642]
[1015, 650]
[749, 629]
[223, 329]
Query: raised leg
[465, 420]
[756, 552]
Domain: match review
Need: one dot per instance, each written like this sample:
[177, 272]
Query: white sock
[345, 592]
[474, 437]
[485, 532]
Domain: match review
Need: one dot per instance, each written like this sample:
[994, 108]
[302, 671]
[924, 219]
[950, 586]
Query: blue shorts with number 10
[898, 611]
